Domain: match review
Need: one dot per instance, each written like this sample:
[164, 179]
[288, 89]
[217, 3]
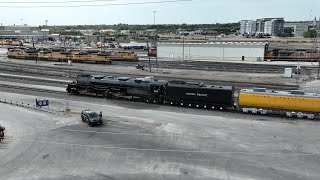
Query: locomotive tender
[255, 101]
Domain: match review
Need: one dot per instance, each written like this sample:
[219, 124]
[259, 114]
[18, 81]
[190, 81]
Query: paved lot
[140, 141]
[312, 86]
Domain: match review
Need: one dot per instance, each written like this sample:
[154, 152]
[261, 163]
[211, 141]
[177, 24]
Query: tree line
[227, 28]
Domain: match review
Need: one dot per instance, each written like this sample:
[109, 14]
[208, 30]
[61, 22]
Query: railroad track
[218, 66]
[31, 89]
[59, 72]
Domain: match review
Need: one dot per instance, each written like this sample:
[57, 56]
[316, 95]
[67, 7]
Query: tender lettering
[196, 94]
[202, 95]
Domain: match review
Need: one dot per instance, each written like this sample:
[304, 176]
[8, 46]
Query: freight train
[199, 95]
[76, 55]
[292, 55]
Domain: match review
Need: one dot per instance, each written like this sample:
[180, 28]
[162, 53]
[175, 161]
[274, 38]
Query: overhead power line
[53, 2]
[97, 5]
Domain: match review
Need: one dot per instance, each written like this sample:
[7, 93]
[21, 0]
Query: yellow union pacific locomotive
[22, 53]
[291, 103]
[76, 55]
[10, 42]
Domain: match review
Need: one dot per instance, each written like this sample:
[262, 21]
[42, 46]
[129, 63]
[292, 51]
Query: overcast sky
[191, 12]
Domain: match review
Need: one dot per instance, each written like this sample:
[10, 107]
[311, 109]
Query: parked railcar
[292, 103]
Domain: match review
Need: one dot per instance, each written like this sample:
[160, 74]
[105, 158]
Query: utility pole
[149, 56]
[155, 34]
[318, 48]
[315, 45]
[318, 76]
[154, 17]
[101, 41]
[32, 41]
[183, 48]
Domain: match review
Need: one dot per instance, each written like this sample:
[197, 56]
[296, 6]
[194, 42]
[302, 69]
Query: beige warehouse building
[212, 51]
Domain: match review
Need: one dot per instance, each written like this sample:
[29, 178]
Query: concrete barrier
[34, 107]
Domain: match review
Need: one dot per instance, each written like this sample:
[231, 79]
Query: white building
[125, 32]
[87, 32]
[299, 27]
[212, 51]
[108, 31]
[267, 27]
[272, 26]
[24, 32]
[248, 27]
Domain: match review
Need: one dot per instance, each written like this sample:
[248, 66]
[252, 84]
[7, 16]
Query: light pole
[183, 49]
[154, 17]
[318, 48]
[155, 33]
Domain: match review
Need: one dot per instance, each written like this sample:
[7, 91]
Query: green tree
[219, 28]
[96, 33]
[312, 33]
[287, 32]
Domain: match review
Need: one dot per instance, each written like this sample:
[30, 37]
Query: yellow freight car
[290, 103]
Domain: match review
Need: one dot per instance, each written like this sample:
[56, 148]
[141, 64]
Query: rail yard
[159, 90]
[183, 120]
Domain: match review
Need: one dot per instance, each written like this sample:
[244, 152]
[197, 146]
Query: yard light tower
[155, 37]
[154, 17]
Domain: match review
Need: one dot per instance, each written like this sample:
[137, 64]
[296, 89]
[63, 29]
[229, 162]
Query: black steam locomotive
[155, 91]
